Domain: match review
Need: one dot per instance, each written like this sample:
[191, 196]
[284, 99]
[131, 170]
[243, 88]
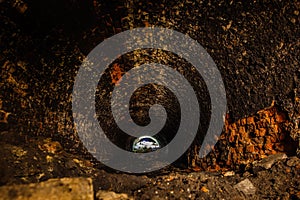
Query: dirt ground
[254, 44]
[32, 160]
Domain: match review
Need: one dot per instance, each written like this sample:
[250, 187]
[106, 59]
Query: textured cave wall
[254, 45]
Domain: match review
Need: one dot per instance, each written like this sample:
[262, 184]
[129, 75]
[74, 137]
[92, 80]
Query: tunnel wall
[254, 45]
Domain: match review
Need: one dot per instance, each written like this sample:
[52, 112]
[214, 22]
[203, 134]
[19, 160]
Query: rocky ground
[36, 160]
[255, 46]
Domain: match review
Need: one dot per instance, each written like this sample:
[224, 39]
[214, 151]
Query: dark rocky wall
[254, 44]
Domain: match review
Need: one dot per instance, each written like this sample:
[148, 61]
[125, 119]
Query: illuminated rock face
[251, 138]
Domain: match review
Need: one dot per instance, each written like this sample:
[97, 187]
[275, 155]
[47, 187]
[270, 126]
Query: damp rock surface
[255, 47]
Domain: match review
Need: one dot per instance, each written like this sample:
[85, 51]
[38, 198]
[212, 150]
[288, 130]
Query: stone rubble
[246, 187]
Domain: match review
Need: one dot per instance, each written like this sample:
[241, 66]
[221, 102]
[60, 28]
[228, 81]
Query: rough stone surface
[269, 161]
[259, 65]
[53, 189]
[255, 47]
[246, 187]
[294, 161]
[109, 195]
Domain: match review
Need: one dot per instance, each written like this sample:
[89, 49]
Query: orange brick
[268, 120]
[233, 126]
[262, 132]
[274, 128]
[234, 156]
[272, 111]
[279, 147]
[250, 148]
[231, 137]
[250, 120]
[260, 146]
[269, 146]
[256, 132]
[273, 152]
[242, 131]
[227, 128]
[280, 117]
[272, 120]
[228, 162]
[268, 113]
[217, 167]
[240, 149]
[244, 121]
[261, 124]
[263, 113]
[248, 140]
[273, 138]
